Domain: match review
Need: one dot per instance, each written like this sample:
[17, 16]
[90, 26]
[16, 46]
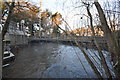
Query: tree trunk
[104, 64]
[1, 55]
[0, 41]
[112, 45]
[31, 29]
[6, 25]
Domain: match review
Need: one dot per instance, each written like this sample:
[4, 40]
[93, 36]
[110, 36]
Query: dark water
[50, 60]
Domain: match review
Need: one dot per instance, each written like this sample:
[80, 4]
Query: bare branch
[7, 4]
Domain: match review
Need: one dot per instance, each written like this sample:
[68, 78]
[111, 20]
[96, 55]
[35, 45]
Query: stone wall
[17, 39]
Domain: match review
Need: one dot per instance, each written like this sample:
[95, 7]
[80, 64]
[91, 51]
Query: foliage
[25, 11]
[3, 6]
[45, 19]
[56, 18]
[49, 20]
[56, 21]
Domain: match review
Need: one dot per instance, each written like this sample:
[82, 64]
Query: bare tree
[112, 44]
[103, 61]
[10, 10]
[10, 7]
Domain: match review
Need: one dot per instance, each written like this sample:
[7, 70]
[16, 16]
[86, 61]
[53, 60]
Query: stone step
[6, 53]
[5, 65]
[8, 59]
[6, 41]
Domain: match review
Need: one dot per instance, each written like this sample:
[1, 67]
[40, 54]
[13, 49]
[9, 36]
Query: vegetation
[48, 22]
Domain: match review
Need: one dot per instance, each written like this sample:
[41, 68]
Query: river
[51, 60]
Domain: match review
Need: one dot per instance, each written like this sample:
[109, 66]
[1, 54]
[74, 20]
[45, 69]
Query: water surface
[50, 60]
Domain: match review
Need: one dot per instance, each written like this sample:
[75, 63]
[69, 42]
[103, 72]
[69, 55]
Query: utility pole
[40, 19]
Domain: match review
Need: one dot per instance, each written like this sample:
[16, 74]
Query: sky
[69, 10]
